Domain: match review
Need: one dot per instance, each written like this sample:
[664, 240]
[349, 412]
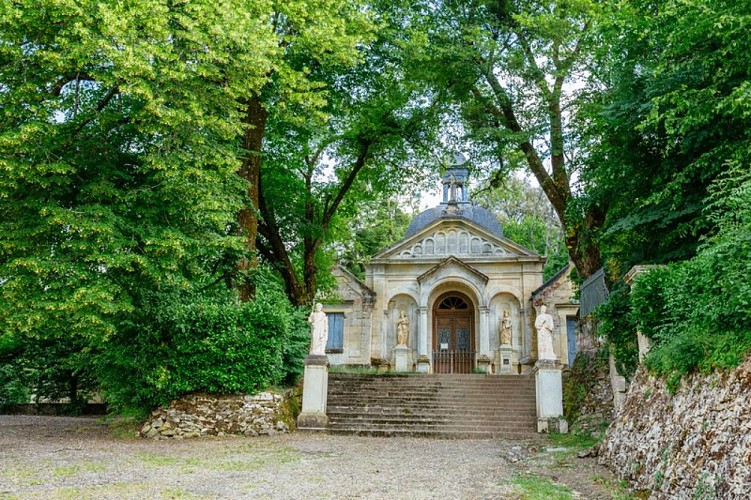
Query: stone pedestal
[401, 359]
[314, 392]
[505, 364]
[423, 364]
[549, 389]
[484, 363]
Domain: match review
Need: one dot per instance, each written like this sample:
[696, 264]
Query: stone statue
[402, 329]
[319, 330]
[505, 328]
[544, 327]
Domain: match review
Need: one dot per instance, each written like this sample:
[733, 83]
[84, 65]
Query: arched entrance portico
[453, 334]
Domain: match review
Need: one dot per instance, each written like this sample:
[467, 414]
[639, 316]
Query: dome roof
[479, 215]
[456, 203]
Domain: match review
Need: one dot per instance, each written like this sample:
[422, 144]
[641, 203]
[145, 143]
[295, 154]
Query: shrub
[181, 344]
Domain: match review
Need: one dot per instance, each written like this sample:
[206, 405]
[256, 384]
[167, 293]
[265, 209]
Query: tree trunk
[255, 119]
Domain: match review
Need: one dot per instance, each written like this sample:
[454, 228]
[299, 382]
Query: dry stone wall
[693, 444]
[199, 415]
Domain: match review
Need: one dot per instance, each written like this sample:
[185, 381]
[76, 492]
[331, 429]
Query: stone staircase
[448, 406]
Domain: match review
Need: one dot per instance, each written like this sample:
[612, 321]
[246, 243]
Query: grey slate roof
[479, 215]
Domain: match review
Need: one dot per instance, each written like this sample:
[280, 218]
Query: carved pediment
[452, 265]
[463, 240]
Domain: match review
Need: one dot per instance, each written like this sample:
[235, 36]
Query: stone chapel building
[454, 275]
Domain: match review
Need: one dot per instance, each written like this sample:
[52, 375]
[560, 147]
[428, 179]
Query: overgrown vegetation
[176, 343]
[696, 312]
[541, 488]
[617, 325]
[670, 160]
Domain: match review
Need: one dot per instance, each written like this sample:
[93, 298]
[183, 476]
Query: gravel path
[63, 457]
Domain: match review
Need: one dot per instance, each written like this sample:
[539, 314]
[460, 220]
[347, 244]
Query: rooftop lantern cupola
[455, 181]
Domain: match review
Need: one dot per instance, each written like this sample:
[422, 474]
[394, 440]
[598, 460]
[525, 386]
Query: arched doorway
[453, 334]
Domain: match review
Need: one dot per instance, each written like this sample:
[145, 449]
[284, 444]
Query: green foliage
[674, 114]
[378, 225]
[618, 326]
[528, 219]
[573, 440]
[697, 312]
[14, 388]
[183, 343]
[118, 152]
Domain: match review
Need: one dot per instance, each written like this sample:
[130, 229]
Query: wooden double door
[453, 335]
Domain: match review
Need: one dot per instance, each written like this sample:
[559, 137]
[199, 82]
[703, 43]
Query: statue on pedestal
[504, 328]
[319, 331]
[402, 329]
[544, 326]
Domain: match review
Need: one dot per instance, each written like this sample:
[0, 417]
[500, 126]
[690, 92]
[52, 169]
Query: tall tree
[360, 137]
[312, 37]
[118, 151]
[509, 67]
[673, 115]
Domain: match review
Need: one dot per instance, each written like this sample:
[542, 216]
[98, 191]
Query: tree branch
[362, 157]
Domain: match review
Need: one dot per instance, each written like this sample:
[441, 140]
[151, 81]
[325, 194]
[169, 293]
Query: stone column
[423, 353]
[483, 358]
[484, 331]
[314, 392]
[549, 392]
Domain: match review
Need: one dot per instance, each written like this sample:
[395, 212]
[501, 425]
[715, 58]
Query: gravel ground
[64, 457]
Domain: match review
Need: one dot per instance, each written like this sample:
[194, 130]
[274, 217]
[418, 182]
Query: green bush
[182, 344]
[47, 368]
[698, 312]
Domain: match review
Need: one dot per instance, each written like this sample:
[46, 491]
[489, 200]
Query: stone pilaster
[423, 353]
[484, 332]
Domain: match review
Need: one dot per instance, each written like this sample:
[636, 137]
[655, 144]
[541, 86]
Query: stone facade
[693, 444]
[455, 251]
[197, 415]
[355, 301]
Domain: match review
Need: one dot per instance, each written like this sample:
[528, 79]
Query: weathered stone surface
[210, 415]
[693, 444]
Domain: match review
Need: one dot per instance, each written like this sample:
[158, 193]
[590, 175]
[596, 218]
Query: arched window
[453, 302]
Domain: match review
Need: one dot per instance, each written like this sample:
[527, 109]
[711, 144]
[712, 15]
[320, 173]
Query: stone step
[455, 384]
[431, 389]
[452, 406]
[434, 382]
[509, 434]
[436, 422]
[384, 396]
[379, 410]
[435, 407]
[498, 402]
[445, 415]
